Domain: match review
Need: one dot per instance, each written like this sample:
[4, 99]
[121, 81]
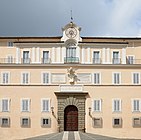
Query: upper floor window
[5, 105]
[136, 105]
[116, 105]
[45, 105]
[97, 78]
[25, 78]
[131, 59]
[45, 78]
[10, 44]
[136, 78]
[5, 77]
[25, 105]
[26, 58]
[97, 105]
[9, 59]
[45, 58]
[116, 58]
[116, 78]
[96, 57]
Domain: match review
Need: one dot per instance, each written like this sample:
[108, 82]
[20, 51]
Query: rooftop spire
[71, 16]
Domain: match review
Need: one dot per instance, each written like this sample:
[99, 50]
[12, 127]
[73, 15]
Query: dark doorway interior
[71, 118]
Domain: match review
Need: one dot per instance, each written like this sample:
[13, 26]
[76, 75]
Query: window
[45, 105]
[97, 78]
[136, 105]
[96, 57]
[5, 103]
[84, 78]
[116, 59]
[97, 122]
[71, 54]
[9, 59]
[10, 44]
[45, 122]
[136, 122]
[45, 78]
[25, 122]
[136, 78]
[116, 78]
[117, 122]
[5, 122]
[131, 60]
[45, 57]
[116, 105]
[25, 78]
[97, 105]
[26, 58]
[5, 77]
[25, 105]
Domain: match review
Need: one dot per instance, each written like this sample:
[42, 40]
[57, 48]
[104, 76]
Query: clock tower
[71, 31]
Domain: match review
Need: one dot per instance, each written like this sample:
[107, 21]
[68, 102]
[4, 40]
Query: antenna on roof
[71, 16]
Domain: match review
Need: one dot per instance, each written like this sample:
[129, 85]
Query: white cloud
[124, 14]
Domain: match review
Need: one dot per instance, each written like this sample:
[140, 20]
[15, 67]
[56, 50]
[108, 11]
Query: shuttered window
[45, 105]
[97, 105]
[116, 105]
[25, 105]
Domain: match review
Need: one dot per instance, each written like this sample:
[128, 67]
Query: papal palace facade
[70, 83]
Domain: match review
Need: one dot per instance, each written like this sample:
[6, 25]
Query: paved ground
[73, 136]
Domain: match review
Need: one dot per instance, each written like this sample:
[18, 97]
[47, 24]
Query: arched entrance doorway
[71, 118]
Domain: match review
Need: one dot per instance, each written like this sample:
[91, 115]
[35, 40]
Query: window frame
[42, 77]
[134, 77]
[28, 120]
[95, 125]
[113, 78]
[133, 122]
[119, 107]
[49, 105]
[97, 109]
[8, 105]
[95, 82]
[28, 107]
[117, 125]
[133, 105]
[7, 80]
[5, 125]
[46, 125]
[22, 78]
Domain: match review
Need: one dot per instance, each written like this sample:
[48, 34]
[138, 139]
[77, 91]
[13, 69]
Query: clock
[71, 32]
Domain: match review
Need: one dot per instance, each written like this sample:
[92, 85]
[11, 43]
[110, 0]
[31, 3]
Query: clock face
[71, 32]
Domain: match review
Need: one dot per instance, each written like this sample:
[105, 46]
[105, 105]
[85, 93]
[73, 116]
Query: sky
[47, 17]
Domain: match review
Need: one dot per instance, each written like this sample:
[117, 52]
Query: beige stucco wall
[106, 91]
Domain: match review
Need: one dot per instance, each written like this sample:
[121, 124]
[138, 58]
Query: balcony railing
[46, 60]
[116, 61]
[96, 60]
[67, 60]
[133, 61]
[71, 60]
[26, 61]
[7, 60]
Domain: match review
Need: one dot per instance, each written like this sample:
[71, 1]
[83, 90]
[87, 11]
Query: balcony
[133, 61]
[7, 60]
[46, 60]
[96, 61]
[116, 61]
[71, 60]
[25, 61]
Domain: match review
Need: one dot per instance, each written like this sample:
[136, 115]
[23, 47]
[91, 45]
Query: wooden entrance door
[71, 118]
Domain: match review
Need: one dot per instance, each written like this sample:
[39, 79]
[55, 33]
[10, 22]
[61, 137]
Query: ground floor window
[5, 122]
[45, 122]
